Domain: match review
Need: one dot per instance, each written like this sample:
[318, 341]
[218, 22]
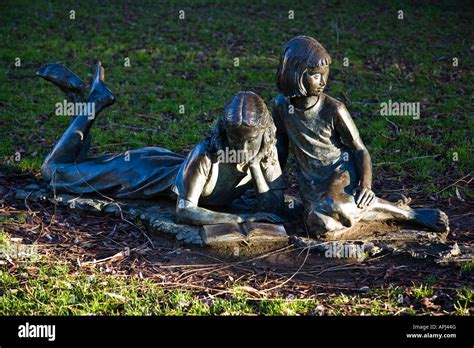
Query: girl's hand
[260, 155]
[365, 197]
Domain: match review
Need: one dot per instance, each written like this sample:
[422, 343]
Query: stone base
[159, 217]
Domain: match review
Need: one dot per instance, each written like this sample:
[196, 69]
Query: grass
[4, 238]
[422, 291]
[468, 267]
[49, 286]
[190, 63]
[464, 302]
[55, 289]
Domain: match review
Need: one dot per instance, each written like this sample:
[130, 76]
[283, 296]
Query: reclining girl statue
[207, 177]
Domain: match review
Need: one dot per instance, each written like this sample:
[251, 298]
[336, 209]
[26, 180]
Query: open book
[248, 232]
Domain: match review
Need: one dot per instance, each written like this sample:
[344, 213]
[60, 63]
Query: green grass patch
[191, 62]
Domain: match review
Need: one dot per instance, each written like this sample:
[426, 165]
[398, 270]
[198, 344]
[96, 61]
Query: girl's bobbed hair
[244, 109]
[298, 55]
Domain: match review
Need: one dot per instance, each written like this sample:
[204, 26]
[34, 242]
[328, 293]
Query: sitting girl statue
[333, 165]
[206, 177]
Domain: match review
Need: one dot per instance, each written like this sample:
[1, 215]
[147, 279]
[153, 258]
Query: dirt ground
[91, 239]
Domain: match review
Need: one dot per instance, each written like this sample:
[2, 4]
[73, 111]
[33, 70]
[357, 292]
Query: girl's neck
[305, 102]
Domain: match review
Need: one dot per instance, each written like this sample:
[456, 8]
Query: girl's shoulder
[198, 159]
[333, 103]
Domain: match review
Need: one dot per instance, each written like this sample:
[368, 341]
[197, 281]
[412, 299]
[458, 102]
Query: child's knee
[318, 224]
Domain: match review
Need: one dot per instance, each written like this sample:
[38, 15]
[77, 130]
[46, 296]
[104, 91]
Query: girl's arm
[281, 136]
[193, 178]
[270, 200]
[189, 213]
[268, 178]
[350, 136]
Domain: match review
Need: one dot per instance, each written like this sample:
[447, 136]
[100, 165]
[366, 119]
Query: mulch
[90, 241]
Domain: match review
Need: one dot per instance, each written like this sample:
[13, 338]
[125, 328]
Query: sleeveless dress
[154, 172]
[316, 146]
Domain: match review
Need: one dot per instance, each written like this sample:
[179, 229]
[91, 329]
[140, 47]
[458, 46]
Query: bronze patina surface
[334, 167]
[238, 153]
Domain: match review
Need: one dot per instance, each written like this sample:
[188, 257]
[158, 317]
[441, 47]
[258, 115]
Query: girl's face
[314, 80]
[246, 139]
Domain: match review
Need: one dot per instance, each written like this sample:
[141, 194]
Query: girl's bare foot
[100, 94]
[65, 79]
[434, 219]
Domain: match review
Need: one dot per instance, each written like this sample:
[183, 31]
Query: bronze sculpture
[334, 167]
[204, 177]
